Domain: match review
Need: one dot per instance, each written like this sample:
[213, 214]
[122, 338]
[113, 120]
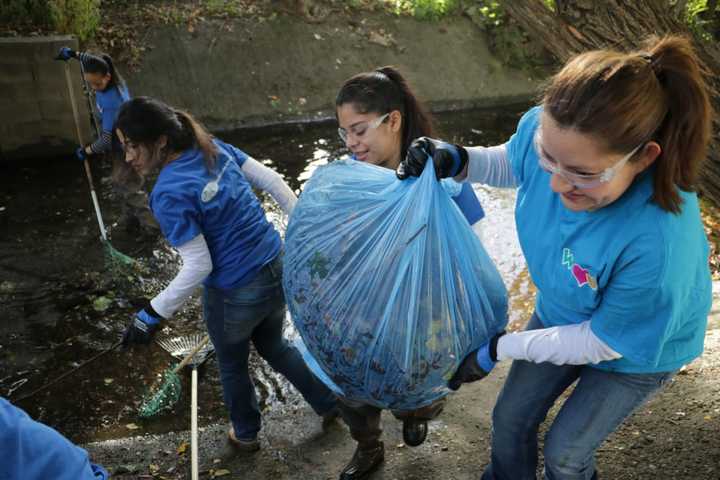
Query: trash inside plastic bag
[387, 284]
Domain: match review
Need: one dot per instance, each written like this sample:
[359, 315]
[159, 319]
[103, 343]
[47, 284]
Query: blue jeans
[600, 402]
[256, 312]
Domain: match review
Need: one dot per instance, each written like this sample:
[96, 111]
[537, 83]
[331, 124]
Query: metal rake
[200, 348]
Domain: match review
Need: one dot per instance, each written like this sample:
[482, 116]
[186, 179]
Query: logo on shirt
[581, 275]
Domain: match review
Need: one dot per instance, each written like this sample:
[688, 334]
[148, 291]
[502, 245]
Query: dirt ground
[674, 436]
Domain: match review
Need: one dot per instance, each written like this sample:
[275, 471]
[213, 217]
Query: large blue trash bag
[387, 284]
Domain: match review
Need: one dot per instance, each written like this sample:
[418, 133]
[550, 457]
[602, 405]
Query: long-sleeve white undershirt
[197, 265]
[489, 166]
[269, 180]
[564, 345]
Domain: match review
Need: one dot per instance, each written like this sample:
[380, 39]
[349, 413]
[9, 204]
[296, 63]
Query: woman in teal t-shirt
[610, 227]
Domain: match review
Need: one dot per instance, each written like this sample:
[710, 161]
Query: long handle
[86, 91]
[76, 116]
[194, 426]
[69, 372]
[192, 353]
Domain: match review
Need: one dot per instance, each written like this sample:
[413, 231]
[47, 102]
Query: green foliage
[425, 9]
[34, 12]
[701, 21]
[79, 17]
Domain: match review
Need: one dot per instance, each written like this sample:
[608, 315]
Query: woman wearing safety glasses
[379, 117]
[609, 223]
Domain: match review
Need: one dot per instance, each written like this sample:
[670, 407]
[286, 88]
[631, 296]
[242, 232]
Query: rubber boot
[365, 460]
[414, 431]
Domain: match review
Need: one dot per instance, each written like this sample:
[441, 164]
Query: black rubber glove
[142, 327]
[449, 160]
[477, 364]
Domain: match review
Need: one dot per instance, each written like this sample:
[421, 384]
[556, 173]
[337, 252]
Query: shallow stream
[60, 305]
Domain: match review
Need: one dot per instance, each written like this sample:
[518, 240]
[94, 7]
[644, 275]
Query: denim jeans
[600, 402]
[256, 312]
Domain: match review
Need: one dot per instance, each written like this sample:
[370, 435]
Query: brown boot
[365, 460]
[241, 445]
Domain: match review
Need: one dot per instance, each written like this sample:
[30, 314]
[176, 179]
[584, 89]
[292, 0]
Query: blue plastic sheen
[387, 284]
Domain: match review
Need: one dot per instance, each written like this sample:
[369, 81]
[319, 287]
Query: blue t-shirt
[108, 104]
[240, 239]
[639, 273]
[465, 198]
[33, 451]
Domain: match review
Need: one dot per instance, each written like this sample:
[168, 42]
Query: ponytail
[115, 78]
[686, 129]
[201, 137]
[417, 121]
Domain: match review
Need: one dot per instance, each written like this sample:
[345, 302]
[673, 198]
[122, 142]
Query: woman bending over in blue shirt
[205, 206]
[608, 220]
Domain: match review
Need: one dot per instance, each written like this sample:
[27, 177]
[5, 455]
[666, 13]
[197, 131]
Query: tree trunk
[580, 25]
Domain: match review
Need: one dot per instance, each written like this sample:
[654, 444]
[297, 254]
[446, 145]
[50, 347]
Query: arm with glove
[564, 345]
[197, 264]
[486, 165]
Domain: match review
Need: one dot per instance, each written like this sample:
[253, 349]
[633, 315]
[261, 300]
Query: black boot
[414, 431]
[365, 460]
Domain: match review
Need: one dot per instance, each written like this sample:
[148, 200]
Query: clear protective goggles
[579, 180]
[361, 128]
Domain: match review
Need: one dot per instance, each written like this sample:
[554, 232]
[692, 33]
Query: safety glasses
[360, 129]
[579, 180]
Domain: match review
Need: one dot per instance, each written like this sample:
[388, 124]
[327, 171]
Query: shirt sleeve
[270, 181]
[520, 147]
[490, 166]
[197, 264]
[34, 450]
[177, 216]
[564, 345]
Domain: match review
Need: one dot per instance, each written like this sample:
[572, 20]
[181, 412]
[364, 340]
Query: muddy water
[60, 305]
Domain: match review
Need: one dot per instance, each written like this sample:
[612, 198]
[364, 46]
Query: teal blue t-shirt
[240, 239]
[639, 273]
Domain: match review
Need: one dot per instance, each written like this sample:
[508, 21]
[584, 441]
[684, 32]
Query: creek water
[60, 305]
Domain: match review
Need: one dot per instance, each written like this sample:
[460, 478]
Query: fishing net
[164, 398]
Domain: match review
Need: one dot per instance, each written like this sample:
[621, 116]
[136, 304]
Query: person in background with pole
[110, 93]
[608, 219]
[34, 451]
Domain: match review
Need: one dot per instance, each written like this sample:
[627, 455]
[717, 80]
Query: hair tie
[652, 61]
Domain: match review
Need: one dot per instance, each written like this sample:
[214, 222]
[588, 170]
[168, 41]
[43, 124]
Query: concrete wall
[247, 73]
[286, 69]
[36, 117]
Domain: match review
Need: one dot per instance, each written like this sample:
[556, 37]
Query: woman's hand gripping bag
[387, 284]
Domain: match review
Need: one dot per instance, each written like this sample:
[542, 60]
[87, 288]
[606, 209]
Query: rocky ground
[674, 436]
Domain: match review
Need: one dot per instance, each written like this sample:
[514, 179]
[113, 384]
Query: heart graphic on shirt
[581, 275]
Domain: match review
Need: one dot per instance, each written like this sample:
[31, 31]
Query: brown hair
[144, 120]
[627, 99]
[384, 90]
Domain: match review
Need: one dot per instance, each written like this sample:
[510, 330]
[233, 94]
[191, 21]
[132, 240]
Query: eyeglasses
[360, 129]
[579, 180]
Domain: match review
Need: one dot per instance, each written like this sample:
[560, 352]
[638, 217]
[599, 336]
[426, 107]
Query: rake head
[180, 347]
